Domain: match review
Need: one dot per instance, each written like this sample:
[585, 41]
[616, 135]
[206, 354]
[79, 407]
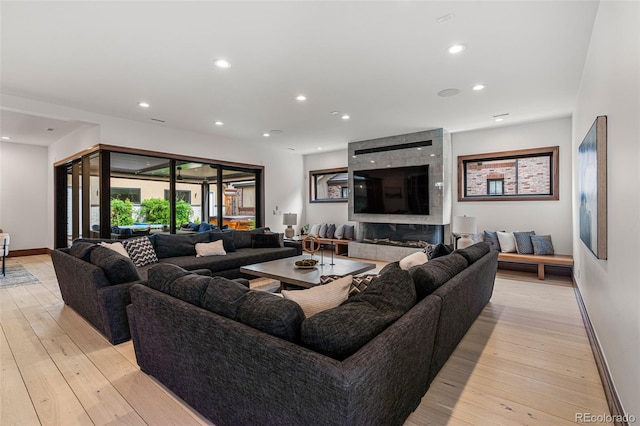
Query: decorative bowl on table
[306, 263]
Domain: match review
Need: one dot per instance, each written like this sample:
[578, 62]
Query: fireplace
[400, 234]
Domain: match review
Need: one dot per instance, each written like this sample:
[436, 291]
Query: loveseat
[244, 357]
[94, 280]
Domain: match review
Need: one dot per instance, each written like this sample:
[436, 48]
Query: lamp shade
[289, 219]
[463, 225]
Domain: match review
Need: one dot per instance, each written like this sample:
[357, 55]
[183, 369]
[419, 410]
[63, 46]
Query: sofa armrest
[296, 245]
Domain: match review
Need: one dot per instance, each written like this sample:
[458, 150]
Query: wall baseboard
[613, 400]
[29, 252]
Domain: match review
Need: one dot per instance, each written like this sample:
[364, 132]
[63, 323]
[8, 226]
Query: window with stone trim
[530, 174]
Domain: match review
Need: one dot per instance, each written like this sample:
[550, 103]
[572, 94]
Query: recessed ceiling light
[301, 98]
[346, 117]
[448, 92]
[433, 155]
[419, 149]
[143, 104]
[221, 63]
[266, 135]
[372, 161]
[479, 87]
[319, 148]
[457, 48]
[219, 123]
[353, 156]
[6, 138]
[335, 112]
[499, 119]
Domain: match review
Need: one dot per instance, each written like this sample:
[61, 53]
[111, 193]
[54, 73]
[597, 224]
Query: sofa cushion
[117, 268]
[428, 277]
[228, 239]
[177, 282]
[322, 233]
[168, 245]
[265, 241]
[339, 232]
[257, 309]
[242, 239]
[341, 331]
[474, 252]
[358, 283]
[140, 251]
[322, 297]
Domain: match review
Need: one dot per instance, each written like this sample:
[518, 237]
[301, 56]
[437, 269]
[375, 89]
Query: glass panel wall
[130, 194]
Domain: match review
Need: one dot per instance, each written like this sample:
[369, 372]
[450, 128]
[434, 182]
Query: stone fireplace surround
[392, 237]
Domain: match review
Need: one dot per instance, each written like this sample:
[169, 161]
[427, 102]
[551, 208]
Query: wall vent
[393, 147]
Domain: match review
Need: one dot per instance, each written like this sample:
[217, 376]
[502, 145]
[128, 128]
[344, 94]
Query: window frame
[554, 184]
[313, 185]
[131, 191]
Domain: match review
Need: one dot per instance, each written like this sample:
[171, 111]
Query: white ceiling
[381, 62]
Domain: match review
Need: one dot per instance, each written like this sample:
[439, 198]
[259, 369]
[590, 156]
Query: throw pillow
[428, 249]
[117, 247]
[314, 229]
[339, 233]
[430, 276]
[414, 259]
[441, 250]
[265, 240]
[322, 233]
[322, 297]
[358, 283]
[491, 237]
[331, 230]
[523, 242]
[349, 231]
[507, 242]
[205, 227]
[214, 248]
[140, 251]
[542, 245]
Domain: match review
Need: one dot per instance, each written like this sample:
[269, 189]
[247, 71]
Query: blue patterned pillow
[491, 237]
[523, 242]
[542, 244]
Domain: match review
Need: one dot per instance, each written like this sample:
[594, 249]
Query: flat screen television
[399, 190]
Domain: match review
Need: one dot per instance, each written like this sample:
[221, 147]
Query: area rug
[16, 276]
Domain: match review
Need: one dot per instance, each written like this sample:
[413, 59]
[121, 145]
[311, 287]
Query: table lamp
[464, 226]
[289, 219]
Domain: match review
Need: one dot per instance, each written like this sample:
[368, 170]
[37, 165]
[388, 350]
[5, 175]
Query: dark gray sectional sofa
[95, 280]
[243, 357]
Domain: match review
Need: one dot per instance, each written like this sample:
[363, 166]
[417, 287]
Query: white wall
[610, 288]
[544, 217]
[280, 164]
[324, 212]
[23, 195]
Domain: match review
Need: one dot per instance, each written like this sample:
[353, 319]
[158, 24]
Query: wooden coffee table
[284, 270]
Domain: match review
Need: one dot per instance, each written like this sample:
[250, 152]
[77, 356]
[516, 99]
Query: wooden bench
[540, 260]
[340, 246]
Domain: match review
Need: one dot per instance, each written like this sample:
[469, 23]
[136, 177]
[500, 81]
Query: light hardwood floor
[526, 360]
